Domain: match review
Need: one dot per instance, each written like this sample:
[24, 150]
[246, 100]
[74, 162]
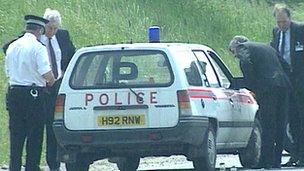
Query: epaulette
[6, 45]
[40, 42]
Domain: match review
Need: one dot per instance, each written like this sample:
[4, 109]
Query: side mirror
[237, 83]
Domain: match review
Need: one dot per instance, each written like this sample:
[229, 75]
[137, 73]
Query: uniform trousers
[51, 142]
[26, 121]
[273, 108]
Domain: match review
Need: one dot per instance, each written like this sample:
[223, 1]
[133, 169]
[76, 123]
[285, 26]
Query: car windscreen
[121, 68]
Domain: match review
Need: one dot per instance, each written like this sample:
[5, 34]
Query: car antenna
[137, 96]
[129, 22]
[185, 21]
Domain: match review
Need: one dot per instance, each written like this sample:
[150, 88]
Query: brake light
[184, 105]
[59, 107]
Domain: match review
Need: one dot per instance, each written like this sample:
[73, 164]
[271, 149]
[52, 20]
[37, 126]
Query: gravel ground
[170, 163]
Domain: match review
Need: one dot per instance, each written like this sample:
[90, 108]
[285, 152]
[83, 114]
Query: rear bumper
[143, 142]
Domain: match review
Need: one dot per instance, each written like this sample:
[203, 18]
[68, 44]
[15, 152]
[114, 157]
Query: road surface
[173, 163]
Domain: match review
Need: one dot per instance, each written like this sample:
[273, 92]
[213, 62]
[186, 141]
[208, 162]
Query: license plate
[121, 120]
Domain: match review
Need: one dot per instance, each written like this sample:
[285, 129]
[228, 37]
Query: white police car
[127, 101]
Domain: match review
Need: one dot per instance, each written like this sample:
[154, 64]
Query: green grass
[113, 21]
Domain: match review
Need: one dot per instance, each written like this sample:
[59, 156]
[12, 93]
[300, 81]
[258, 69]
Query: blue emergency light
[153, 33]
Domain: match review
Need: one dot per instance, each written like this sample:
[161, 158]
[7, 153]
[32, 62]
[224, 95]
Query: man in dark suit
[264, 76]
[60, 50]
[66, 46]
[288, 39]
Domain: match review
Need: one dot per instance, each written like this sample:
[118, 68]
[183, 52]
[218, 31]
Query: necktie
[282, 50]
[53, 59]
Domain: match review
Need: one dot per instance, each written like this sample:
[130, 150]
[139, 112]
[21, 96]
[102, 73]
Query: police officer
[28, 70]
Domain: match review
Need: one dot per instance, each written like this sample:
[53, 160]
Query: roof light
[153, 33]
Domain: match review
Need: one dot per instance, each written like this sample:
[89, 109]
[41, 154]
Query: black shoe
[276, 166]
[267, 166]
[270, 167]
[289, 164]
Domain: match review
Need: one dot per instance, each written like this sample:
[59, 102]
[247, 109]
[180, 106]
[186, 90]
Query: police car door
[223, 113]
[241, 121]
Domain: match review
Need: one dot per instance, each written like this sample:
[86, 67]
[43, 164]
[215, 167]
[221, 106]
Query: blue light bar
[153, 33]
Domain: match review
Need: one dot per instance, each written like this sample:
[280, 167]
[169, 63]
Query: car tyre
[79, 165]
[251, 155]
[207, 159]
[129, 163]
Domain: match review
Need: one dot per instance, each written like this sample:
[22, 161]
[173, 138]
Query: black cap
[32, 19]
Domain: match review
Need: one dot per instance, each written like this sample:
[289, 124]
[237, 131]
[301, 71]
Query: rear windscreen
[125, 68]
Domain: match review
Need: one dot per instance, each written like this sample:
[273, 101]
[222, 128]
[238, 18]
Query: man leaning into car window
[264, 75]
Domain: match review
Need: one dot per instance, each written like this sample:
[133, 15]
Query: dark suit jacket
[296, 70]
[66, 46]
[262, 69]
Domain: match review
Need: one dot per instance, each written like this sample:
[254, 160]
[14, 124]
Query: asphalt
[227, 162]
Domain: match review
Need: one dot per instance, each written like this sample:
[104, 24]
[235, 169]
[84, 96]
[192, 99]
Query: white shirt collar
[31, 35]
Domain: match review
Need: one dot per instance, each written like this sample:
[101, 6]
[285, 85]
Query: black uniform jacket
[262, 69]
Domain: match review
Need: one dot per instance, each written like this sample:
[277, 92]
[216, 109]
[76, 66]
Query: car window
[193, 75]
[222, 77]
[210, 74]
[122, 68]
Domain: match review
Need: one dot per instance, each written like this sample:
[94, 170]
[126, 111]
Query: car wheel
[79, 165]
[129, 163]
[207, 159]
[250, 156]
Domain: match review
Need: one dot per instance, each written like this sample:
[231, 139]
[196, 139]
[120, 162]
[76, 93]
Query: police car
[128, 101]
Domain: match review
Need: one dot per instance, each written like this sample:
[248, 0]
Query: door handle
[231, 102]
[214, 97]
[203, 103]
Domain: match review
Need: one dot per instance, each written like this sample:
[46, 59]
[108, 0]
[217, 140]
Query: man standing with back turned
[60, 49]
[288, 39]
[29, 72]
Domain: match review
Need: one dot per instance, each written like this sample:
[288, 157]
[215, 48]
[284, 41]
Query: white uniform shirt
[57, 51]
[26, 61]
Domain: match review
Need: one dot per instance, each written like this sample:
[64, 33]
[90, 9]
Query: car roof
[146, 46]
